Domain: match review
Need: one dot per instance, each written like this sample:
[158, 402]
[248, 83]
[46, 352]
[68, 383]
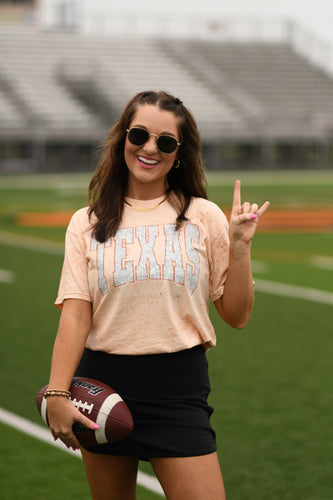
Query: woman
[141, 263]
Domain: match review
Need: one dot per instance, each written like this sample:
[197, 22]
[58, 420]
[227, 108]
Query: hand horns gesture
[244, 217]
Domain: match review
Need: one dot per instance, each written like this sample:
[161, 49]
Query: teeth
[149, 162]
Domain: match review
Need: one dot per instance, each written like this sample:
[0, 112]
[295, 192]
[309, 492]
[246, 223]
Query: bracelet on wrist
[55, 392]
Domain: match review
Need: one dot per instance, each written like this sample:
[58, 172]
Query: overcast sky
[316, 15]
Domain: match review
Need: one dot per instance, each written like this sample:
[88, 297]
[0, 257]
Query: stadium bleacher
[66, 87]
[279, 90]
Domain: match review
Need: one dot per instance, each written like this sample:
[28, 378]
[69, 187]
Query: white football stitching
[82, 406]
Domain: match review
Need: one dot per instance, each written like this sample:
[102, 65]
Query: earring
[176, 165]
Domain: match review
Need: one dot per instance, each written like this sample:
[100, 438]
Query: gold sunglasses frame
[157, 138]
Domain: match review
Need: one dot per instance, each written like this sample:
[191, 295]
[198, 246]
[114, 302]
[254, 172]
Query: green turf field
[271, 382]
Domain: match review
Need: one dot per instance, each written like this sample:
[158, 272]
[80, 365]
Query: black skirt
[167, 396]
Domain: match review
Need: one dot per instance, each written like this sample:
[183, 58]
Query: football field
[271, 382]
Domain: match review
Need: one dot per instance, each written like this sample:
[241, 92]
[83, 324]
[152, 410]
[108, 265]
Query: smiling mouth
[148, 162]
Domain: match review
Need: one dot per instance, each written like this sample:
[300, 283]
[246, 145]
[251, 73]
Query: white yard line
[322, 262]
[259, 267]
[270, 178]
[41, 433]
[295, 292]
[31, 243]
[6, 276]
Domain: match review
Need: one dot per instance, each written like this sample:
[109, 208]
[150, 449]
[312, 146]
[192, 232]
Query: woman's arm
[236, 303]
[74, 327]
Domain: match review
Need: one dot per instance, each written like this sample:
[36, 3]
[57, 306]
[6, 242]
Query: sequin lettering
[134, 254]
[148, 267]
[173, 267]
[123, 271]
[191, 245]
[96, 245]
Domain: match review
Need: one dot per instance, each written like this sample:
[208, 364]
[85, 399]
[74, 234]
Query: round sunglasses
[165, 143]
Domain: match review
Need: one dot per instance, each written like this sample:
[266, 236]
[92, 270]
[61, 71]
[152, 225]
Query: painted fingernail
[253, 216]
[96, 426]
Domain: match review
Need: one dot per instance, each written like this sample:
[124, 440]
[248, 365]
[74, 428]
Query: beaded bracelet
[54, 392]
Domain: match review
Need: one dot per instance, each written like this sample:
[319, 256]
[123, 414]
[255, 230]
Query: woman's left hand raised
[244, 217]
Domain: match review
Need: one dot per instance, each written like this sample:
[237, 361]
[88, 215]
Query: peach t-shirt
[149, 285]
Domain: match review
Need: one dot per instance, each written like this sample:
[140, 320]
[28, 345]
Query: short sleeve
[218, 253]
[74, 277]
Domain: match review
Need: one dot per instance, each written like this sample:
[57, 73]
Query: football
[99, 403]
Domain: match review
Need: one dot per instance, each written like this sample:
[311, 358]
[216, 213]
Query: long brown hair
[108, 186]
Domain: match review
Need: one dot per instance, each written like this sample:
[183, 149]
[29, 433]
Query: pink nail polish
[253, 216]
[96, 426]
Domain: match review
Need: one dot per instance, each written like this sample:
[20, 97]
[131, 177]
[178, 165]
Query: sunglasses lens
[167, 144]
[138, 136]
